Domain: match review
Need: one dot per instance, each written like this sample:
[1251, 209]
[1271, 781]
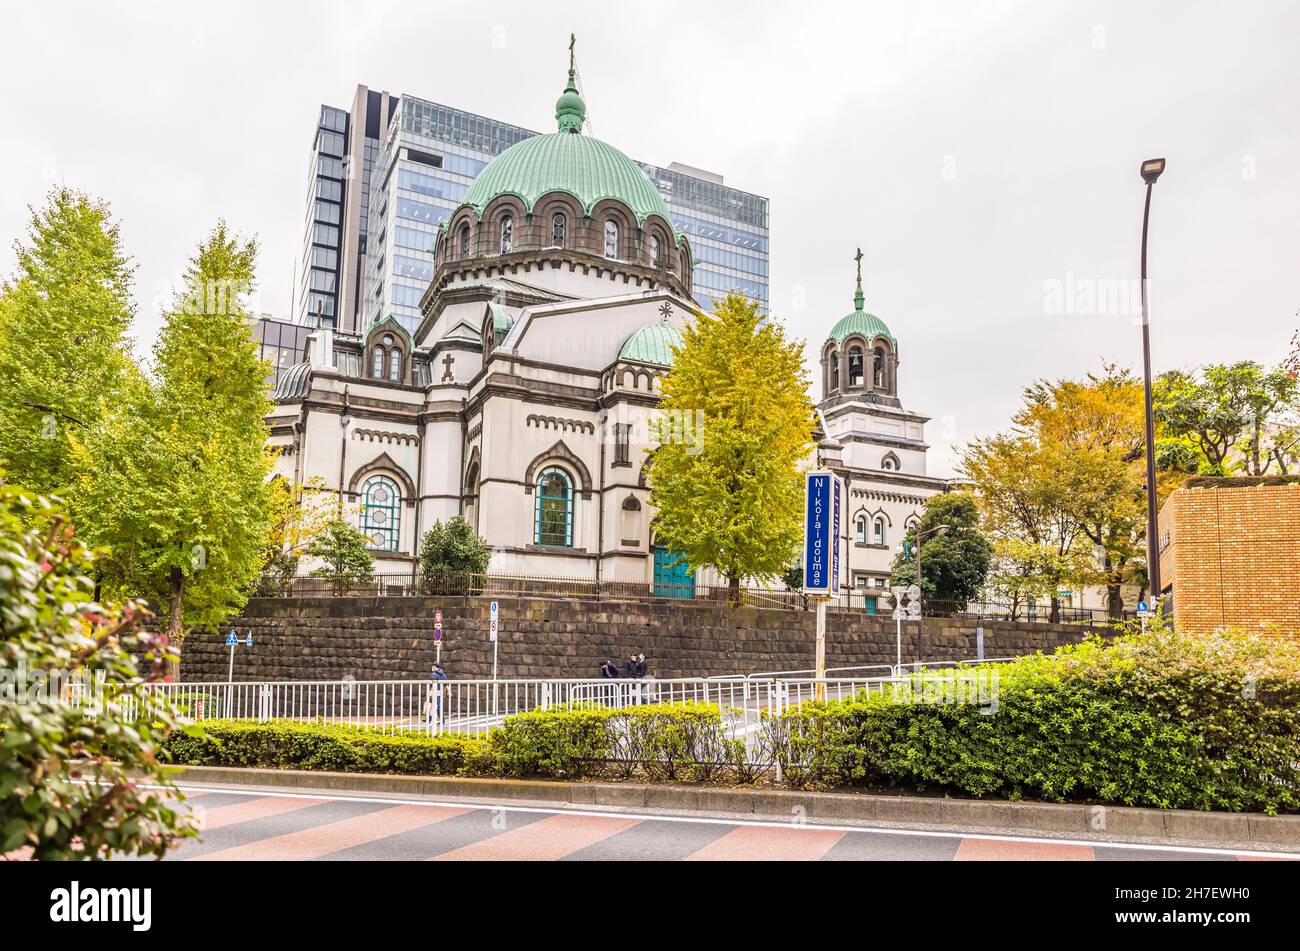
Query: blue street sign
[1142, 607]
[249, 641]
[821, 557]
[231, 639]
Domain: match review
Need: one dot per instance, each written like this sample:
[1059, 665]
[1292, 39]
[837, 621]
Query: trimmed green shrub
[666, 741]
[1160, 719]
[288, 744]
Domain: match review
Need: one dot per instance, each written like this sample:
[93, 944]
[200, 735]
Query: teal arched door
[672, 577]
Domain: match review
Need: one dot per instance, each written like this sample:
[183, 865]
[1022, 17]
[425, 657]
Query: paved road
[260, 825]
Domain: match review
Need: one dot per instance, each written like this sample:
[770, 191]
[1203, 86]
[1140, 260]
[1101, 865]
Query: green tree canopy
[345, 556]
[1235, 417]
[452, 547]
[174, 484]
[64, 352]
[736, 425]
[954, 562]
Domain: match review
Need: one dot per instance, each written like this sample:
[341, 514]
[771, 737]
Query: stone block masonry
[392, 638]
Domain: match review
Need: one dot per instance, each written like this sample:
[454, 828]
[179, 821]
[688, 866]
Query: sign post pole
[821, 557]
[437, 637]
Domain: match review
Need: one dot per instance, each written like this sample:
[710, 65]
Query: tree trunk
[174, 617]
[733, 592]
[1114, 602]
[1054, 615]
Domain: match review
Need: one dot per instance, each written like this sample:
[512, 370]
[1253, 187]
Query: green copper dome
[584, 167]
[567, 161]
[652, 344]
[860, 322]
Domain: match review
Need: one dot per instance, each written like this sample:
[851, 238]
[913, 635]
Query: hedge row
[684, 741]
[288, 744]
[1158, 720]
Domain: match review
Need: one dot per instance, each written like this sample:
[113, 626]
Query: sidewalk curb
[1253, 831]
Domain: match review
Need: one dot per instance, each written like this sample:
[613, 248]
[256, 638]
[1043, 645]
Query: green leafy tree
[451, 552]
[1097, 426]
[1023, 491]
[1234, 415]
[736, 425]
[346, 556]
[64, 352]
[954, 562]
[81, 776]
[174, 485]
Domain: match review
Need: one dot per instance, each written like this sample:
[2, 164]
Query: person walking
[433, 706]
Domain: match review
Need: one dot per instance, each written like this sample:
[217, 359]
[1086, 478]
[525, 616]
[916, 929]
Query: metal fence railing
[466, 584]
[475, 707]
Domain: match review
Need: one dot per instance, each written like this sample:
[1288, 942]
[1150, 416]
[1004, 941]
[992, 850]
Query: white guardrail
[474, 707]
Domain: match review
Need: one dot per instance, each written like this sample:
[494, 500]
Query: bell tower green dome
[859, 321]
[568, 161]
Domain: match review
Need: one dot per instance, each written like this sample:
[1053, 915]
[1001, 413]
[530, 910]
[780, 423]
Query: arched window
[835, 370]
[377, 368]
[559, 229]
[554, 522]
[855, 366]
[878, 375]
[889, 463]
[507, 234]
[381, 513]
[878, 532]
[395, 365]
[631, 519]
[464, 240]
[611, 238]
[471, 497]
[654, 250]
[861, 530]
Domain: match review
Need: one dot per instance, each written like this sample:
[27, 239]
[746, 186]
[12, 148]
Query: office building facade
[345, 145]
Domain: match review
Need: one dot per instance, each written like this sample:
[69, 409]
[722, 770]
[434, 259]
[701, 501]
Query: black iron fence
[466, 584]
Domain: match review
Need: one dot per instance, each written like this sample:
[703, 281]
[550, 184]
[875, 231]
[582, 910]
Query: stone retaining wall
[392, 638]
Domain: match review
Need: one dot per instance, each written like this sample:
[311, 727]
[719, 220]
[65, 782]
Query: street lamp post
[1151, 170]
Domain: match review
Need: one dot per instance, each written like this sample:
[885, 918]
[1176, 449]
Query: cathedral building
[523, 398]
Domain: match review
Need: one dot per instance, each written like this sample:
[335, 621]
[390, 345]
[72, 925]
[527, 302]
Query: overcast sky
[984, 154]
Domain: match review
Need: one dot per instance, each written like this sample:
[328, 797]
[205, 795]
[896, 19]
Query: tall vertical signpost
[821, 555]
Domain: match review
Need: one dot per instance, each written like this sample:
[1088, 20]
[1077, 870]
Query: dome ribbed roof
[294, 382]
[586, 168]
[860, 322]
[567, 161]
[652, 344]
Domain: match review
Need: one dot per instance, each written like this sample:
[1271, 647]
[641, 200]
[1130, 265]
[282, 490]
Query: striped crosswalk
[266, 825]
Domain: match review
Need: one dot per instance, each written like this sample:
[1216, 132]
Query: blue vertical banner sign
[821, 552]
[835, 538]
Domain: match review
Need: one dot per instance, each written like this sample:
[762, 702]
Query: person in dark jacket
[642, 667]
[609, 671]
[433, 708]
[630, 668]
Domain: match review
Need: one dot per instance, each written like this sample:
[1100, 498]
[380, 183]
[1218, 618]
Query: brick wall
[1231, 550]
[368, 638]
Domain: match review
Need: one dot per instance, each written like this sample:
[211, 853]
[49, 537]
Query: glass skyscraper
[390, 196]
